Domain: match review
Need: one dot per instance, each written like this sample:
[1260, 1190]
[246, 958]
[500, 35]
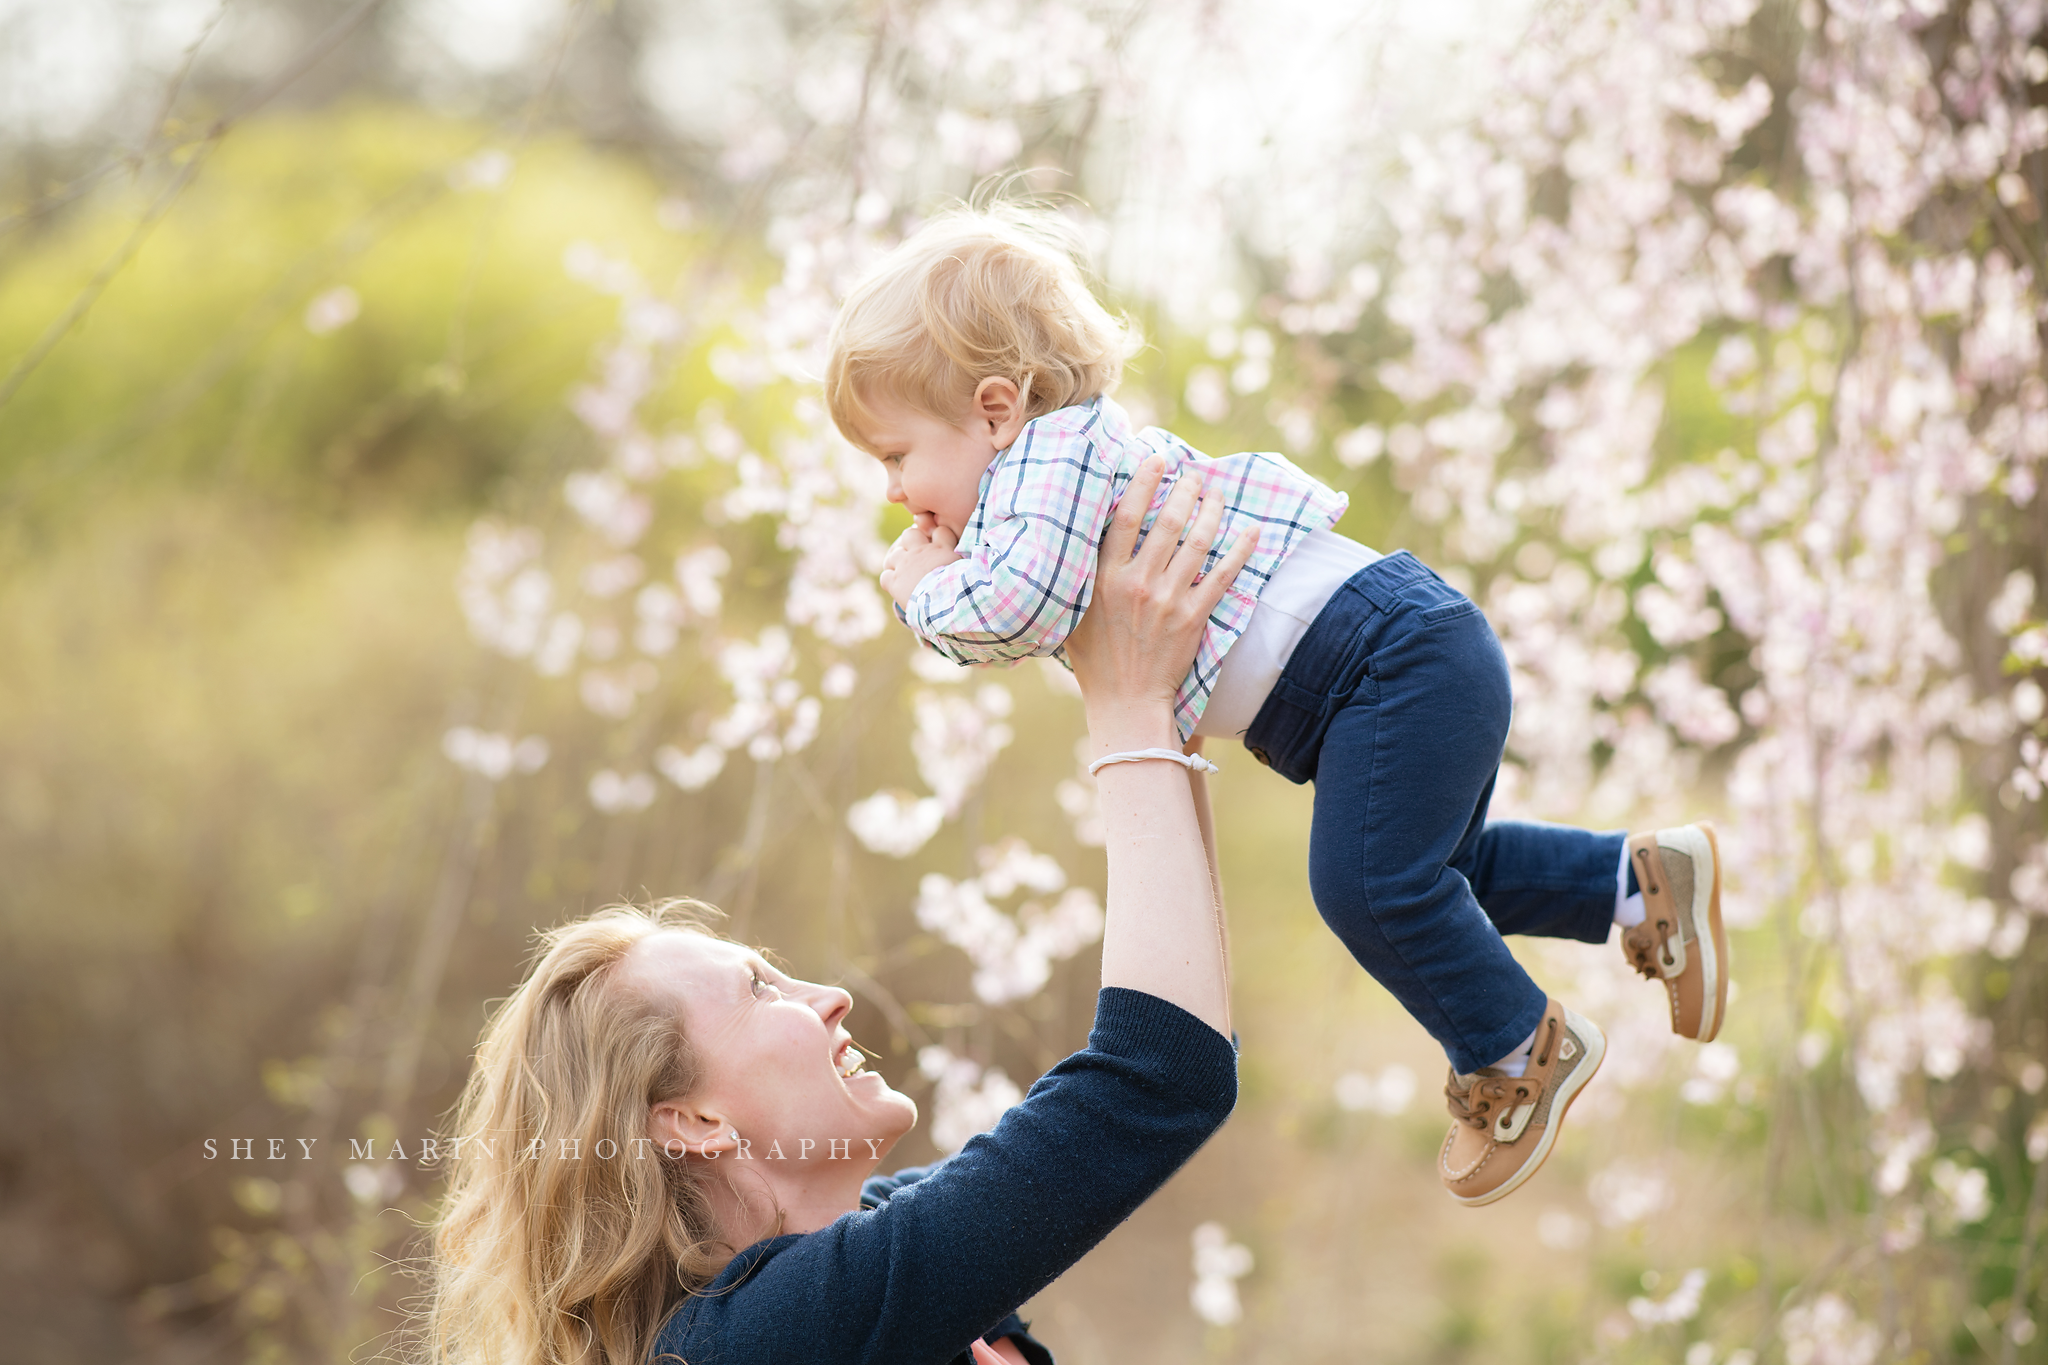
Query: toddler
[975, 364]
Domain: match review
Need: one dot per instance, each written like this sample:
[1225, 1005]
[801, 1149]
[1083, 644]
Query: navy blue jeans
[1396, 704]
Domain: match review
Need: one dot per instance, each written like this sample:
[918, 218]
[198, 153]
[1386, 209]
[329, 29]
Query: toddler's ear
[999, 403]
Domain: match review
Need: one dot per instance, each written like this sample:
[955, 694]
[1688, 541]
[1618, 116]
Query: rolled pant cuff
[1492, 1048]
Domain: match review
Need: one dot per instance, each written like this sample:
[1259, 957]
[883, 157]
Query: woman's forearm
[1163, 932]
[1205, 818]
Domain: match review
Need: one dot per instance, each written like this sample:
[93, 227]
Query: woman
[667, 1142]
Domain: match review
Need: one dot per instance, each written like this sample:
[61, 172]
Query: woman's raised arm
[1164, 933]
[949, 1257]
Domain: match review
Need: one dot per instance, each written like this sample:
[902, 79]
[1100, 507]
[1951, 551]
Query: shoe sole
[1710, 941]
[1596, 1053]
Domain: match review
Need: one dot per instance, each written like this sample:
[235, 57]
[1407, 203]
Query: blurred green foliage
[196, 366]
[229, 651]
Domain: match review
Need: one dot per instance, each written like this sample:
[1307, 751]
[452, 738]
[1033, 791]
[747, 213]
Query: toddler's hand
[923, 547]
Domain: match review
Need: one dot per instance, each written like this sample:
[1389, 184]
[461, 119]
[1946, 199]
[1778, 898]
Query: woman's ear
[999, 408]
[672, 1122]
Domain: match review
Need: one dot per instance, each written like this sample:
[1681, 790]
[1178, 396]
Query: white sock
[1628, 910]
[1517, 1062]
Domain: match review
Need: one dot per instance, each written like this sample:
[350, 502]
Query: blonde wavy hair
[974, 293]
[541, 1260]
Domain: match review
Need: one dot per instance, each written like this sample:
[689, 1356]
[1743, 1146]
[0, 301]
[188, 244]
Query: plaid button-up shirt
[1028, 552]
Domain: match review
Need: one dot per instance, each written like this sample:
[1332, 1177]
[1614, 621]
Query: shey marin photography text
[431, 1150]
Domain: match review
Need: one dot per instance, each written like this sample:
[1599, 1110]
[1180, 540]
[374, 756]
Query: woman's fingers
[1148, 611]
[1210, 590]
[1201, 534]
[1164, 537]
[1122, 538]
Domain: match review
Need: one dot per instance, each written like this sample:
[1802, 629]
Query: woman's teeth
[850, 1061]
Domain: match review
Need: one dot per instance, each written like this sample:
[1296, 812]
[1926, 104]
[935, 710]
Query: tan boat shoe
[1506, 1125]
[1681, 941]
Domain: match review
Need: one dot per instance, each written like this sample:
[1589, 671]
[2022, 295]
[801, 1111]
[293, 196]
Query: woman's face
[774, 1051]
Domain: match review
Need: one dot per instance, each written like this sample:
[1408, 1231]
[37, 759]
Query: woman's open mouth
[848, 1060]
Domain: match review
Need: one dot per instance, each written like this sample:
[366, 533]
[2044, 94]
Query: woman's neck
[809, 1195]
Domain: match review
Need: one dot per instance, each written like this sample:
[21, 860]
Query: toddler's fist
[923, 547]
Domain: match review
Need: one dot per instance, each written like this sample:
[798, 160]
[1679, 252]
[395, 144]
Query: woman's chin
[904, 1112]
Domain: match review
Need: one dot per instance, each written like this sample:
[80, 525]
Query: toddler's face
[935, 467]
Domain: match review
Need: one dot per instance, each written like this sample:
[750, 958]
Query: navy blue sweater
[950, 1251]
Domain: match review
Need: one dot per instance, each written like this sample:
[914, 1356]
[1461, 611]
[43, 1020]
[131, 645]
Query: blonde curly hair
[542, 1260]
[974, 293]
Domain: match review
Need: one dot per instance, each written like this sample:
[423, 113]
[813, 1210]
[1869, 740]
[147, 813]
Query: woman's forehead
[682, 958]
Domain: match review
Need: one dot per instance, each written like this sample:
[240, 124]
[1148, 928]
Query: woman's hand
[1146, 618]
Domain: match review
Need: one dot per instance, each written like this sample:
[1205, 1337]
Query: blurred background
[418, 526]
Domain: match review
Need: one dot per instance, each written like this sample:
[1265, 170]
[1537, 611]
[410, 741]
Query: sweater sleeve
[875, 1191]
[1021, 587]
[948, 1256]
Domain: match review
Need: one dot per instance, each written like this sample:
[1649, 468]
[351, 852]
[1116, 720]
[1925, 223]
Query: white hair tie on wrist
[1194, 763]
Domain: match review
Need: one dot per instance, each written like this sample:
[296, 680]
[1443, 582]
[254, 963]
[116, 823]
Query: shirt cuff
[1182, 1049]
[1019, 1331]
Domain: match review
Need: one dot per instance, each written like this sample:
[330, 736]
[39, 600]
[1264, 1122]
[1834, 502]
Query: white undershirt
[1318, 565]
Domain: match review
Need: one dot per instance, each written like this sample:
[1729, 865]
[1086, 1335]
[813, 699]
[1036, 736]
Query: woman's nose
[832, 1004]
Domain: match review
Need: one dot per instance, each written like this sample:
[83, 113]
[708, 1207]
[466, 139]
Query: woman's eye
[760, 981]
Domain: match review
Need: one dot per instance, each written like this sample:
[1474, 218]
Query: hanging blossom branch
[1640, 204]
[595, 608]
[1012, 955]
